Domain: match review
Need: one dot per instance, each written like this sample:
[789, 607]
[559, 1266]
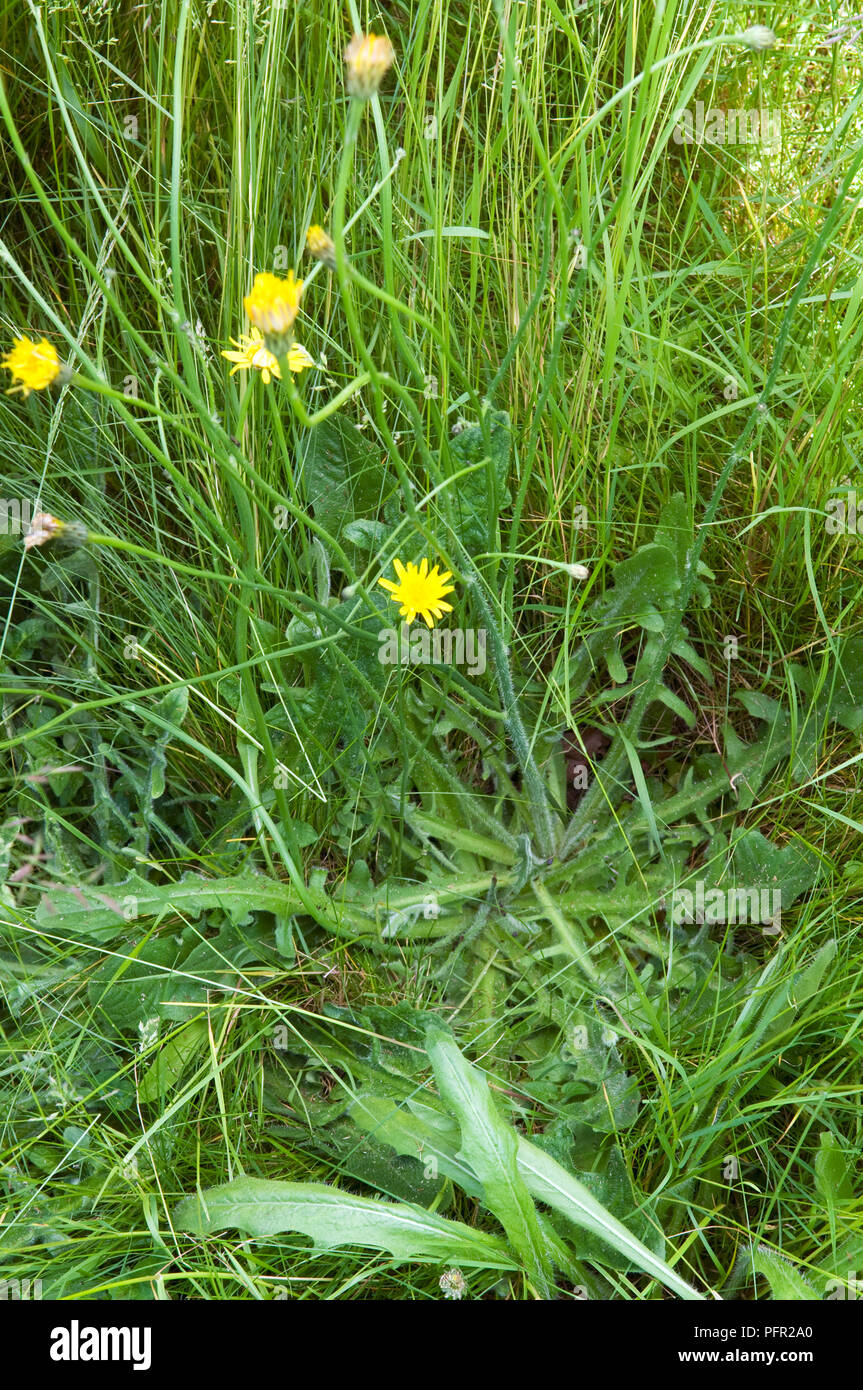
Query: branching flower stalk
[537, 790]
[371, 375]
[544, 831]
[342, 274]
[225, 448]
[346, 274]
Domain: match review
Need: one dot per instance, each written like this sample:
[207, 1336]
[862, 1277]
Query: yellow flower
[419, 591]
[34, 365]
[368, 59]
[253, 354]
[272, 307]
[321, 246]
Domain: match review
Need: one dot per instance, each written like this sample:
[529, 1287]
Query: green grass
[202, 639]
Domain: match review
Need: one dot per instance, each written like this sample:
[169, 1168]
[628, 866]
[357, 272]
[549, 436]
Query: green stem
[536, 787]
[615, 760]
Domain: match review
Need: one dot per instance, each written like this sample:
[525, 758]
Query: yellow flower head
[253, 355]
[273, 306]
[367, 58]
[321, 246]
[419, 591]
[33, 365]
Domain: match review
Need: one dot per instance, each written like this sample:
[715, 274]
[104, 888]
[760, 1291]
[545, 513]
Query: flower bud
[321, 246]
[759, 37]
[367, 57]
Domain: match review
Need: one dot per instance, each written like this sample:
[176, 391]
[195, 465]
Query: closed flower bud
[759, 37]
[368, 58]
[321, 246]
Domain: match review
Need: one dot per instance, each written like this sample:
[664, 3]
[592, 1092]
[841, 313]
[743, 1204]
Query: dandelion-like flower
[253, 355]
[272, 307]
[367, 57]
[321, 246]
[34, 366]
[419, 591]
[453, 1283]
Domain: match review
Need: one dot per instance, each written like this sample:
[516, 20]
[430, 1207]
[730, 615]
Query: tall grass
[152, 165]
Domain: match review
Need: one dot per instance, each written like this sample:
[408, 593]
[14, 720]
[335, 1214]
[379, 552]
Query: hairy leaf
[334, 1219]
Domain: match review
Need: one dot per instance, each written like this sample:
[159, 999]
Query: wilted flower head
[44, 527]
[272, 307]
[453, 1283]
[367, 57]
[321, 246]
[759, 37]
[34, 366]
[577, 571]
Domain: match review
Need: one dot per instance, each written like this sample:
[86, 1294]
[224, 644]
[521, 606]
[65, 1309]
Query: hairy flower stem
[569, 932]
[536, 788]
